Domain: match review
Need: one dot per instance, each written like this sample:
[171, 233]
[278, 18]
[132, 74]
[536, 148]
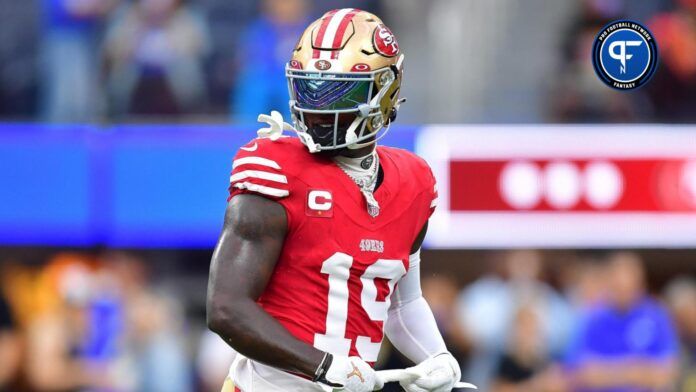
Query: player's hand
[351, 374]
[438, 373]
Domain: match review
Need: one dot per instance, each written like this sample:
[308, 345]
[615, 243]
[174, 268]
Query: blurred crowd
[77, 61]
[86, 323]
[73, 61]
[116, 321]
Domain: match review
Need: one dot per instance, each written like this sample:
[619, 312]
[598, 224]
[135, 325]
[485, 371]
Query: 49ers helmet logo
[322, 65]
[385, 41]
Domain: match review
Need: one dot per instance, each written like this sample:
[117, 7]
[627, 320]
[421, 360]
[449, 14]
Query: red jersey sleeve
[258, 168]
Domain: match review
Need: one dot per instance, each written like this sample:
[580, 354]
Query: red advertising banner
[562, 186]
[597, 185]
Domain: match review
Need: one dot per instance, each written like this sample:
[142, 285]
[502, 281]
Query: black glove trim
[320, 373]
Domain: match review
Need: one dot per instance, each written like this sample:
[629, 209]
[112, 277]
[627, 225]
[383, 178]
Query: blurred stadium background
[119, 120]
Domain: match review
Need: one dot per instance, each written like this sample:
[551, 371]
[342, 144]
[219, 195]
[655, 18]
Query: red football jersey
[332, 284]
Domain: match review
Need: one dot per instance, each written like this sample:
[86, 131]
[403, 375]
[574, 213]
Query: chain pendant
[367, 184]
[372, 205]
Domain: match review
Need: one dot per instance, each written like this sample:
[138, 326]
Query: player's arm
[411, 326]
[243, 261]
[412, 329]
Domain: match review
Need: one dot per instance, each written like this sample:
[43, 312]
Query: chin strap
[276, 126]
[351, 136]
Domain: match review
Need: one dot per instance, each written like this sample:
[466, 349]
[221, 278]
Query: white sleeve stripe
[433, 203]
[255, 161]
[259, 174]
[265, 190]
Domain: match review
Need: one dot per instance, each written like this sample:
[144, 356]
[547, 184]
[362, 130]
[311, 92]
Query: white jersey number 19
[337, 267]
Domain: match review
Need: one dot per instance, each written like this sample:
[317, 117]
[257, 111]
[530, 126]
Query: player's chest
[330, 216]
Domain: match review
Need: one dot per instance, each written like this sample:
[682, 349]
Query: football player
[319, 256]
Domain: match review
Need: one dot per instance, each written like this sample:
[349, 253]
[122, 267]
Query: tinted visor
[325, 94]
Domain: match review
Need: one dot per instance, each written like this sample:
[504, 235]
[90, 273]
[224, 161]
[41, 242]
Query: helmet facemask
[336, 110]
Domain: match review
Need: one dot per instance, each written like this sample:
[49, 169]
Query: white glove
[438, 373]
[351, 374]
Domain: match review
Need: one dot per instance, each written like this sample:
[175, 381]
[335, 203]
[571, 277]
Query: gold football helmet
[344, 80]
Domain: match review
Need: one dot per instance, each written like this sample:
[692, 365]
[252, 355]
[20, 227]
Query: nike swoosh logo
[252, 148]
